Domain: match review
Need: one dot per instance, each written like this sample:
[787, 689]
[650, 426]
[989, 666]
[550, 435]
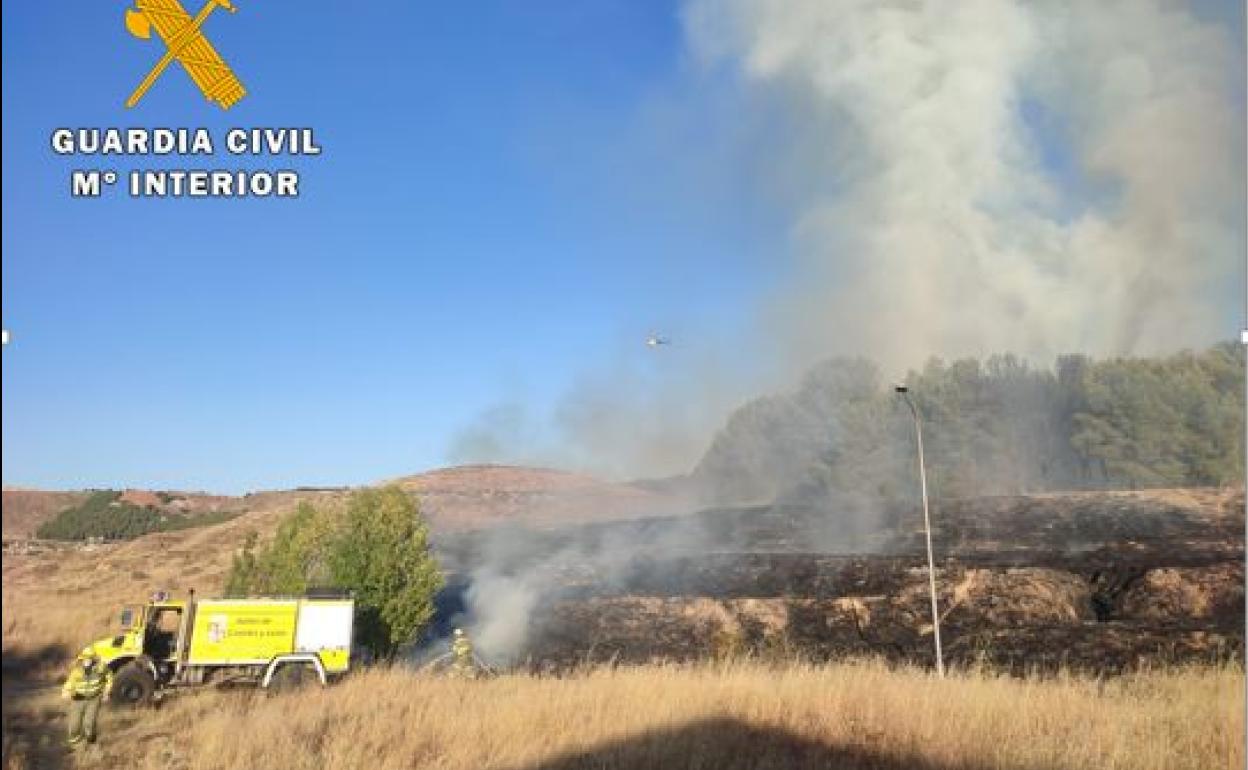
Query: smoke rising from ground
[970, 178]
[516, 569]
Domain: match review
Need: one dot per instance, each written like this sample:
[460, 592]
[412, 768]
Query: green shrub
[105, 515]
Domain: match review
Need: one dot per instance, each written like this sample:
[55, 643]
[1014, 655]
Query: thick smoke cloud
[951, 232]
[961, 179]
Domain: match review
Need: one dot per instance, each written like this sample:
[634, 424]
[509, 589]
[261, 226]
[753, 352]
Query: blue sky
[510, 196]
[499, 205]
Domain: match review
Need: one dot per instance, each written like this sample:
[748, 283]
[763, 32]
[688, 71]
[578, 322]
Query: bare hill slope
[23, 510]
[476, 496]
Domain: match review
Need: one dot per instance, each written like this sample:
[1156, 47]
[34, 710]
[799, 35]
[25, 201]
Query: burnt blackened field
[1103, 581]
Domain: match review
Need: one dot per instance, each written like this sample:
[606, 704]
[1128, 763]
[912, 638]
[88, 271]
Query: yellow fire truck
[277, 643]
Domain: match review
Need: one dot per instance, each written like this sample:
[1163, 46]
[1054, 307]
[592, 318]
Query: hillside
[53, 600]
[477, 496]
[23, 510]
[454, 499]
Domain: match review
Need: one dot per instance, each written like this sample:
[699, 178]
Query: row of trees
[376, 547]
[996, 426]
[105, 515]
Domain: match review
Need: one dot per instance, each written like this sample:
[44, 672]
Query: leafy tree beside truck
[377, 548]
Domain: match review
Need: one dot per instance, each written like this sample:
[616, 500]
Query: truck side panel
[324, 627]
[241, 632]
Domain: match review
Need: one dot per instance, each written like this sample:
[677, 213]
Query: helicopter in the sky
[655, 340]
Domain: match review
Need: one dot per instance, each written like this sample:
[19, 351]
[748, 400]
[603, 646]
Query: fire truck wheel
[291, 677]
[133, 685]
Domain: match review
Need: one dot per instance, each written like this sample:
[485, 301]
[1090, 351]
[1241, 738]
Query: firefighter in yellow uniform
[84, 689]
[463, 664]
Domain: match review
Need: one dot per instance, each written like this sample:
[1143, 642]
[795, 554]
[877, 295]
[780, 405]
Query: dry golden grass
[858, 715]
[854, 715]
[63, 599]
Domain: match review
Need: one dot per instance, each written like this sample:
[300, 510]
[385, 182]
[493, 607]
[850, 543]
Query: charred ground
[1102, 581]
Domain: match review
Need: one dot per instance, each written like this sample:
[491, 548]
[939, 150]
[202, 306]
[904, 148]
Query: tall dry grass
[854, 715]
[63, 599]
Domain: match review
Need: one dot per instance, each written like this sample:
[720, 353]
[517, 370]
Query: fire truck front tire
[291, 677]
[133, 685]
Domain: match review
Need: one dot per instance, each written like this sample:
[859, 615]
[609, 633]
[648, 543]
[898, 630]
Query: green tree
[1000, 426]
[1170, 421]
[243, 578]
[378, 548]
[298, 556]
[382, 553]
[295, 560]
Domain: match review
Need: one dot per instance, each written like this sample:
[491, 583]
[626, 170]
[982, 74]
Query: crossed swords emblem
[185, 42]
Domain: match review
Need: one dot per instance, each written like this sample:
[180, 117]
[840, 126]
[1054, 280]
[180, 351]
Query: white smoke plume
[945, 232]
[499, 611]
[962, 178]
[514, 570]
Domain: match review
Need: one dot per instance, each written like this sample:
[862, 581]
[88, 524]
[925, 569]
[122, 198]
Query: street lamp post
[927, 528]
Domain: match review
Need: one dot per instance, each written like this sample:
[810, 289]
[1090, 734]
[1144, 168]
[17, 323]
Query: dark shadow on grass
[34, 737]
[19, 662]
[33, 732]
[730, 744]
